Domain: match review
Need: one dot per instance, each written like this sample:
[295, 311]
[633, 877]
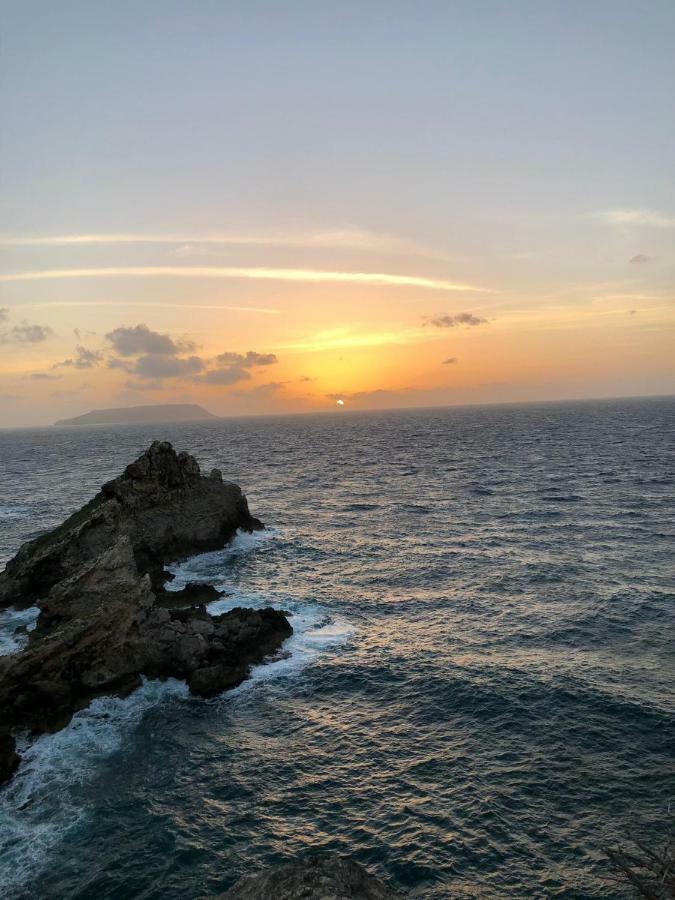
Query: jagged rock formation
[328, 877]
[162, 503]
[96, 579]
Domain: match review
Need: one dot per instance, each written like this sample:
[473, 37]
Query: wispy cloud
[27, 334]
[309, 276]
[344, 337]
[115, 304]
[188, 244]
[640, 259]
[83, 359]
[648, 217]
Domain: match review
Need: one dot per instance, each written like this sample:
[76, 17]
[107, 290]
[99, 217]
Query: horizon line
[346, 411]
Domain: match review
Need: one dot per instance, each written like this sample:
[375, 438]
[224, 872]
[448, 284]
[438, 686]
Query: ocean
[478, 697]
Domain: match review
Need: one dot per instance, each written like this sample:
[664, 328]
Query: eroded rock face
[161, 502]
[9, 758]
[324, 877]
[100, 626]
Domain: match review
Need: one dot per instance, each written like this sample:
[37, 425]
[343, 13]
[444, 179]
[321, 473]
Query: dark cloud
[123, 364]
[27, 334]
[157, 355]
[139, 340]
[452, 321]
[43, 376]
[246, 360]
[4, 314]
[84, 359]
[150, 355]
[159, 365]
[640, 259]
[234, 367]
[228, 375]
[450, 361]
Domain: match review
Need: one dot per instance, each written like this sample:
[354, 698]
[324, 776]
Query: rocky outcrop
[324, 877]
[161, 502]
[96, 579]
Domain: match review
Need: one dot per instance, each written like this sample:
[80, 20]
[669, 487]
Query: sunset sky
[267, 207]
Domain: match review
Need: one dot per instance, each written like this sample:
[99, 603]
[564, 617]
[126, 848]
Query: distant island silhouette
[129, 415]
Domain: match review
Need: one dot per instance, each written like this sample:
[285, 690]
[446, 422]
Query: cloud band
[308, 276]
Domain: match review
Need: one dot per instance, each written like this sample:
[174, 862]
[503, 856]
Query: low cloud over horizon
[452, 321]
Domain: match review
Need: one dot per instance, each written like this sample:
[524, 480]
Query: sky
[270, 207]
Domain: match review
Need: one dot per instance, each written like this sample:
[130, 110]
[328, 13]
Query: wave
[314, 632]
[314, 629]
[41, 804]
[208, 567]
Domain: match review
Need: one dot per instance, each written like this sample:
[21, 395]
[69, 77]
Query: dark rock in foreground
[95, 579]
[325, 877]
[192, 594]
[9, 758]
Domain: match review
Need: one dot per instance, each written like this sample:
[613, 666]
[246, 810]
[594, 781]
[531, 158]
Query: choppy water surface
[479, 692]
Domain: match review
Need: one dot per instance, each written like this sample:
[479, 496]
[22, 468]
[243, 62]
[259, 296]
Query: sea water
[478, 694]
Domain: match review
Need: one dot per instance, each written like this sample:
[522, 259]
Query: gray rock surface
[100, 627]
[161, 502]
[322, 877]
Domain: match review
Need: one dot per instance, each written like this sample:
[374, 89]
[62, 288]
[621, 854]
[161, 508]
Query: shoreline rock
[324, 876]
[97, 580]
[161, 502]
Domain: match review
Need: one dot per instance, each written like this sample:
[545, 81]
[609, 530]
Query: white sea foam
[314, 630]
[313, 633]
[40, 805]
[210, 567]
[10, 620]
